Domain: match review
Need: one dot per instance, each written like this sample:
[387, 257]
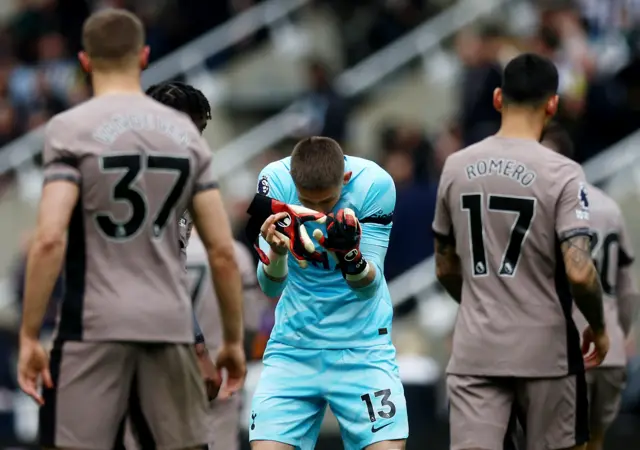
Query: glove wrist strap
[278, 265]
[358, 276]
[352, 268]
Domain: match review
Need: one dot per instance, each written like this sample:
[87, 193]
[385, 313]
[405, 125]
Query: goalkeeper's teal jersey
[317, 309]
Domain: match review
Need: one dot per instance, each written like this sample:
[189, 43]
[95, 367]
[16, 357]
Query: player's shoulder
[371, 188]
[276, 174]
[366, 173]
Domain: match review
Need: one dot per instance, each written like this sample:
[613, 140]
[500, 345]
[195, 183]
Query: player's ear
[85, 62]
[552, 106]
[497, 99]
[144, 57]
[347, 177]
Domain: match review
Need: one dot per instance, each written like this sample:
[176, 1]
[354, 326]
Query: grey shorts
[223, 423]
[92, 393]
[605, 386]
[552, 411]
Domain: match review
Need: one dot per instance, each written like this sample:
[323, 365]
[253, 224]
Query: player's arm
[46, 254]
[272, 277]
[448, 268]
[365, 273]
[572, 228]
[583, 279]
[212, 223]
[627, 292]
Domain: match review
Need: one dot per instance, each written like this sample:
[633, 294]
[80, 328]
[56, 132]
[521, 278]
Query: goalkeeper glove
[291, 229]
[343, 242]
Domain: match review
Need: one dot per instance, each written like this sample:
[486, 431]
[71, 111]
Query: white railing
[598, 169]
[184, 59]
[358, 79]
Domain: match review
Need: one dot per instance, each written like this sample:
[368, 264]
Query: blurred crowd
[39, 74]
[595, 44]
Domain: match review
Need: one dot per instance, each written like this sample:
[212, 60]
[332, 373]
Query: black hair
[183, 97]
[529, 80]
[560, 139]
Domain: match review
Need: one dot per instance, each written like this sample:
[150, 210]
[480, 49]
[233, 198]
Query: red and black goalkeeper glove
[343, 242]
[291, 228]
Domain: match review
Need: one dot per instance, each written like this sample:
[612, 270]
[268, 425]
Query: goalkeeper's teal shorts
[361, 386]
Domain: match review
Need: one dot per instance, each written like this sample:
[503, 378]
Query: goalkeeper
[331, 342]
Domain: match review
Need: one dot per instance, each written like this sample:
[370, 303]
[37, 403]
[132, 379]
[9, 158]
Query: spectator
[410, 138]
[328, 110]
[411, 240]
[482, 73]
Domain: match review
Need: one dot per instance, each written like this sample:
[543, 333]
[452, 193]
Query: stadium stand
[403, 83]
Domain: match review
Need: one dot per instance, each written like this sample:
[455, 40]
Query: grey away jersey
[507, 204]
[612, 251]
[204, 297]
[138, 164]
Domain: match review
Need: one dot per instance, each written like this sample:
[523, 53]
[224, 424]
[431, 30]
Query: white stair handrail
[357, 79]
[184, 59]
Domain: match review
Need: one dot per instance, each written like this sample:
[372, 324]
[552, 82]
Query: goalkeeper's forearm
[273, 277]
[366, 284]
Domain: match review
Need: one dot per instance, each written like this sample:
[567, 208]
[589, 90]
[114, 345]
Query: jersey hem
[130, 340]
[329, 347]
[61, 177]
[575, 232]
[206, 187]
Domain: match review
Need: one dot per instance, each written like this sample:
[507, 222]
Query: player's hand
[284, 225]
[33, 365]
[208, 370]
[343, 241]
[275, 239]
[594, 357]
[232, 358]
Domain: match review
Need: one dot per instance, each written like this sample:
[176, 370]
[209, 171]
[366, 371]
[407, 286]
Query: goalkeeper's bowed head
[290, 229]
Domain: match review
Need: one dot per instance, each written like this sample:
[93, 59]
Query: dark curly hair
[184, 98]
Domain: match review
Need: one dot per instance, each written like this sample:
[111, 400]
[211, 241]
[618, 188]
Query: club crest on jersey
[583, 212]
[263, 185]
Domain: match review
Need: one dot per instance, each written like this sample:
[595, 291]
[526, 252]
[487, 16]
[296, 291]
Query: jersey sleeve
[376, 219]
[204, 177]
[442, 225]
[271, 183]
[572, 207]
[59, 160]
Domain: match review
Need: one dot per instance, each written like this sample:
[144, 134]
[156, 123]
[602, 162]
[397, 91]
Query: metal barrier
[358, 79]
[186, 58]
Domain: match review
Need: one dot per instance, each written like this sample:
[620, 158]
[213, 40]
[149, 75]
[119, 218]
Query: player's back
[515, 315]
[139, 164]
[611, 250]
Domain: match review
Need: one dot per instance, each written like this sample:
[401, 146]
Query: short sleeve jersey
[138, 164]
[507, 204]
[611, 250]
[203, 292]
[317, 308]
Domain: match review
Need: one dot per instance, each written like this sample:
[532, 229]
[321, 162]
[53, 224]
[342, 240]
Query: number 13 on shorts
[384, 402]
